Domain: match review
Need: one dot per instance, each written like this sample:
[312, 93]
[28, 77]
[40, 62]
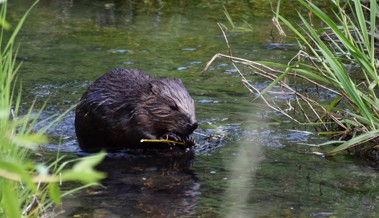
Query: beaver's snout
[192, 127]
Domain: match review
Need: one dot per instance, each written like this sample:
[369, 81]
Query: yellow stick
[163, 140]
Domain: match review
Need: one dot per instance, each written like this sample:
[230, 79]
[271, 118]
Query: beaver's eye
[174, 107]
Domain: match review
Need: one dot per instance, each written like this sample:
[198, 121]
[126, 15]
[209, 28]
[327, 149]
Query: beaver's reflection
[152, 185]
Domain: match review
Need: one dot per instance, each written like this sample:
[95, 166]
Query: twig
[226, 40]
[163, 140]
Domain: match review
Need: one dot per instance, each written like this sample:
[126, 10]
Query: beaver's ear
[154, 89]
[178, 80]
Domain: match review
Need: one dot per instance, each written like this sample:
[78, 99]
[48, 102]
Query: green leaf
[355, 141]
[30, 141]
[54, 192]
[272, 84]
[10, 200]
[83, 171]
[16, 170]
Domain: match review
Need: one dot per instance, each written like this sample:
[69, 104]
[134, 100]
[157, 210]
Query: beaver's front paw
[172, 137]
[189, 142]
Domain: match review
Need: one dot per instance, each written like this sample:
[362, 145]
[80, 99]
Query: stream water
[263, 167]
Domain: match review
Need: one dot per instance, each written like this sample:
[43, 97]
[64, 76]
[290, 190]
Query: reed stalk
[27, 189]
[337, 58]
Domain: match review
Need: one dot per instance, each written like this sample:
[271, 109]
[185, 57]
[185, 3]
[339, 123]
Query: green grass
[245, 27]
[345, 42]
[27, 189]
[331, 45]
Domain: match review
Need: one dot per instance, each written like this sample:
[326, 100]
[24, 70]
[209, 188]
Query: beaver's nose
[192, 126]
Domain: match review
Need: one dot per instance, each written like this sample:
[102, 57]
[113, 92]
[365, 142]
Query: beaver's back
[116, 88]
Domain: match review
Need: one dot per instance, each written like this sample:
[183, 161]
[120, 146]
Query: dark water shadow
[143, 184]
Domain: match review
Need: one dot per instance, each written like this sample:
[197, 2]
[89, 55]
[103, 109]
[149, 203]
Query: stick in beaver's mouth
[163, 140]
[182, 143]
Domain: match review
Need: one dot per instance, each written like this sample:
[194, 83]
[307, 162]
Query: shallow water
[262, 168]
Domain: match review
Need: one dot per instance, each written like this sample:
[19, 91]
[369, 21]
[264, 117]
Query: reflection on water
[261, 168]
[243, 169]
[150, 185]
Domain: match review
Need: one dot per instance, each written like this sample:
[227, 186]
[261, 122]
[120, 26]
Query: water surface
[262, 168]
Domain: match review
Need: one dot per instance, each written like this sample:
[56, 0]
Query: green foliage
[245, 27]
[342, 42]
[27, 188]
[331, 46]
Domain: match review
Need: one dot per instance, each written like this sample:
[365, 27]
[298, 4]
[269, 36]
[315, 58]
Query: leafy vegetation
[344, 42]
[246, 27]
[28, 188]
[332, 82]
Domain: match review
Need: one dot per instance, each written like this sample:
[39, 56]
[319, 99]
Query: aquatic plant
[332, 82]
[245, 27]
[27, 188]
[345, 45]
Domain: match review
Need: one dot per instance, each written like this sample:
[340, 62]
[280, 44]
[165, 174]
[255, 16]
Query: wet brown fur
[124, 106]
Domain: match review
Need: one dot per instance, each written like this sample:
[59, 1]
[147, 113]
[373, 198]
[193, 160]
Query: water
[262, 168]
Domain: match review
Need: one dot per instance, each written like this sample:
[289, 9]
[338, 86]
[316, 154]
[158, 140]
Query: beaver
[124, 106]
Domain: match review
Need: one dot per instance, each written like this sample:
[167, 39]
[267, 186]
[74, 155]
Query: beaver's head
[168, 109]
